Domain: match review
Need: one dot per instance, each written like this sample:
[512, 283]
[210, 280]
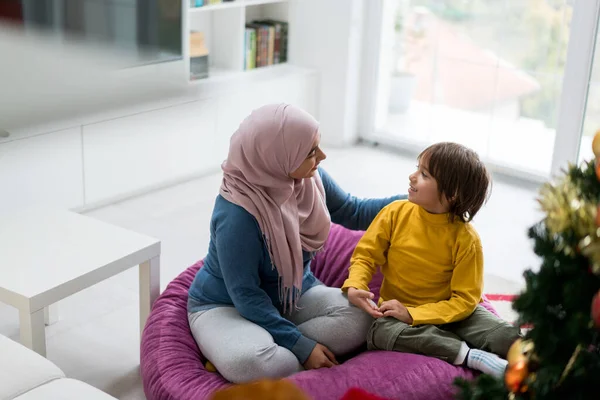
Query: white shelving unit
[83, 160]
[223, 26]
[234, 4]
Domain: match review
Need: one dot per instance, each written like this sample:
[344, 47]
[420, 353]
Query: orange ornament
[265, 389]
[515, 376]
[596, 144]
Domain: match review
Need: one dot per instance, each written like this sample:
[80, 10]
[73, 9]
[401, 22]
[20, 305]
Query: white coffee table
[47, 255]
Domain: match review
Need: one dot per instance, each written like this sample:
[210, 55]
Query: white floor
[96, 338]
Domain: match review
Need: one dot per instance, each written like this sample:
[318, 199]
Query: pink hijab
[270, 143]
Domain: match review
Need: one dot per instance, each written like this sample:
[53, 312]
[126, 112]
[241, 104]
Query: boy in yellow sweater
[432, 262]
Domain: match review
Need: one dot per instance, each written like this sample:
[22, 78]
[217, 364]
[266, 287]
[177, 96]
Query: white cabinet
[118, 157]
[136, 153]
[42, 170]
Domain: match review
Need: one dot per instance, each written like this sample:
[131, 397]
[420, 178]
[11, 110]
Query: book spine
[246, 49]
[271, 46]
[264, 53]
[258, 48]
[284, 41]
[277, 47]
[253, 49]
[266, 46]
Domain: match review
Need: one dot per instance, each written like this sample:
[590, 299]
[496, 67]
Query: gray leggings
[243, 351]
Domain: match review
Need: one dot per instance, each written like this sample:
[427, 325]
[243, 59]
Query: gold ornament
[565, 210]
[520, 350]
[522, 362]
[596, 144]
[590, 247]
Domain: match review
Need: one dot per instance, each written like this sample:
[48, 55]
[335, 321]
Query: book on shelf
[250, 54]
[269, 39]
[202, 3]
[253, 43]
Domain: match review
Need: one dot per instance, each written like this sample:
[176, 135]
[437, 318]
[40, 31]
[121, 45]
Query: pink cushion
[172, 365]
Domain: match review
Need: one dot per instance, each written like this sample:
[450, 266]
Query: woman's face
[308, 168]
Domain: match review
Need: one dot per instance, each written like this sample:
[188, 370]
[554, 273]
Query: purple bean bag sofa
[172, 366]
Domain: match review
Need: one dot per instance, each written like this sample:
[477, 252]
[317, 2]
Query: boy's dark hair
[461, 177]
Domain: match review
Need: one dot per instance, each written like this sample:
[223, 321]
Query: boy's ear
[451, 200]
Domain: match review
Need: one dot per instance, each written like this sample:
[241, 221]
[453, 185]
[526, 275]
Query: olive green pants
[481, 330]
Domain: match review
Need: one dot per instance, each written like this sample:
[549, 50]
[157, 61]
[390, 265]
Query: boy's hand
[393, 308]
[364, 300]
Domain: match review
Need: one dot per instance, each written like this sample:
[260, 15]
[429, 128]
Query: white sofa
[25, 375]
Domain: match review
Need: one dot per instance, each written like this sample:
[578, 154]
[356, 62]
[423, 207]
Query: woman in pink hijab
[255, 308]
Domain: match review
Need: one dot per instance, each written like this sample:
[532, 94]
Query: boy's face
[423, 191]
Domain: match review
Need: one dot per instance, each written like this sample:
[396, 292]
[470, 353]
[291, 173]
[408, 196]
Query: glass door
[587, 91]
[500, 76]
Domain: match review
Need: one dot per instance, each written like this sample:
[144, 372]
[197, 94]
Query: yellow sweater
[432, 266]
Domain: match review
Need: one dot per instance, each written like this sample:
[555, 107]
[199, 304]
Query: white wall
[97, 159]
[326, 35]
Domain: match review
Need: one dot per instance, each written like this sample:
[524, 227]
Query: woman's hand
[364, 300]
[393, 308]
[320, 357]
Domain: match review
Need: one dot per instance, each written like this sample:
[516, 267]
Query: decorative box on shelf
[198, 56]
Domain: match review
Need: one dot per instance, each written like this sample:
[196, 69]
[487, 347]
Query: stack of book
[266, 43]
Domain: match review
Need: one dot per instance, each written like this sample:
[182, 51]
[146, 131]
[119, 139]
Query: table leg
[149, 288]
[51, 314]
[33, 333]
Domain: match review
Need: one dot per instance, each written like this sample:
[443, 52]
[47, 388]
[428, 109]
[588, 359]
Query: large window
[486, 73]
[591, 119]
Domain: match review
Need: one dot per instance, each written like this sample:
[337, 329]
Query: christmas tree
[559, 357]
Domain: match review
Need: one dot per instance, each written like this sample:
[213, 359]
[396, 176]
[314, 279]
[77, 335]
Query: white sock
[488, 363]
[462, 354]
